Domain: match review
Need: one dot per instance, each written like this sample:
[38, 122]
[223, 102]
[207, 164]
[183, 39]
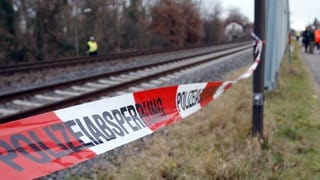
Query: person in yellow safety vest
[297, 35]
[317, 38]
[92, 47]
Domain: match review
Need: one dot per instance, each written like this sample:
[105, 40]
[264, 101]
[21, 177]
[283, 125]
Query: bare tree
[213, 26]
[236, 25]
[236, 15]
[108, 31]
[193, 23]
[178, 21]
[49, 29]
[36, 30]
[7, 29]
[134, 26]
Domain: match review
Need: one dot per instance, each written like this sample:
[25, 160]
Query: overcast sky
[303, 12]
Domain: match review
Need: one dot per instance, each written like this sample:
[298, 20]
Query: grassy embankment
[215, 143]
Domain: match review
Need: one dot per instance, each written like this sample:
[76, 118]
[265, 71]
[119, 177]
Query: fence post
[258, 77]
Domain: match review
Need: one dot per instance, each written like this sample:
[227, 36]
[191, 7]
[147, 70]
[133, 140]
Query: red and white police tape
[40, 145]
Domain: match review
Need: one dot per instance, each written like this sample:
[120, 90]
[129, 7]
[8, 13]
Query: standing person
[311, 40]
[92, 47]
[297, 35]
[317, 37]
[305, 39]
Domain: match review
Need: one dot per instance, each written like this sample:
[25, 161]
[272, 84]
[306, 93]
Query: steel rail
[84, 97]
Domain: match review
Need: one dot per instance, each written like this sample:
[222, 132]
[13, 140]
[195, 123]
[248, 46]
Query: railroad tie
[172, 76]
[178, 73]
[165, 79]
[147, 85]
[48, 98]
[130, 77]
[134, 89]
[85, 89]
[26, 103]
[108, 82]
[5, 112]
[118, 79]
[157, 82]
[67, 93]
[135, 74]
[143, 72]
[96, 85]
[161, 68]
[118, 93]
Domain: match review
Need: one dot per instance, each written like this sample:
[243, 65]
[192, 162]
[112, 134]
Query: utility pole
[76, 28]
[258, 76]
[78, 12]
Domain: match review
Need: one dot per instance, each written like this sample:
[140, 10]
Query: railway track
[21, 104]
[62, 63]
[35, 66]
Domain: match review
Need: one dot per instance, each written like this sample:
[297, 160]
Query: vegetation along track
[37, 100]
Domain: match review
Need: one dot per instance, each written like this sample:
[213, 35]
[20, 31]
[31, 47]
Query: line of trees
[34, 30]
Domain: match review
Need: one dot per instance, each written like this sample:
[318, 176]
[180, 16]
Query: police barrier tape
[40, 145]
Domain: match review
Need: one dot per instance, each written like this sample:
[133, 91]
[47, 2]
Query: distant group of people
[92, 47]
[311, 38]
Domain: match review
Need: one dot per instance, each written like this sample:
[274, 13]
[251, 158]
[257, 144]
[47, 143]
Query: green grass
[293, 111]
[216, 143]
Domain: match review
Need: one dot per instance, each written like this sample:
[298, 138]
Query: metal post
[76, 38]
[76, 29]
[288, 28]
[290, 48]
[258, 77]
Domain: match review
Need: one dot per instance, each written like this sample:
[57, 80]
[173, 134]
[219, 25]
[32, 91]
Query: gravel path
[313, 63]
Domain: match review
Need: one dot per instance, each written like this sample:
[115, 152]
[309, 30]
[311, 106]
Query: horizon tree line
[36, 30]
